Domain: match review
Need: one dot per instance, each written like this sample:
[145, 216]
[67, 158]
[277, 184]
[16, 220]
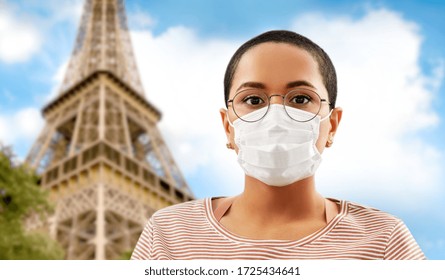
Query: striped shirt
[190, 231]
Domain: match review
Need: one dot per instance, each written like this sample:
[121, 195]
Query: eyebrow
[289, 85]
[300, 83]
[251, 85]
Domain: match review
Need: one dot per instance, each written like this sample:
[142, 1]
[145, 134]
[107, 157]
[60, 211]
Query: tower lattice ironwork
[100, 153]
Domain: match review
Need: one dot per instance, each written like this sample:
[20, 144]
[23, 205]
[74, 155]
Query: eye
[300, 99]
[253, 100]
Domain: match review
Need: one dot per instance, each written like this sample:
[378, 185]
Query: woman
[280, 93]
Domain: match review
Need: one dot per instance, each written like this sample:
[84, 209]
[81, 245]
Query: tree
[126, 255]
[21, 196]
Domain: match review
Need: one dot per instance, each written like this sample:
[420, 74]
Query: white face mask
[276, 149]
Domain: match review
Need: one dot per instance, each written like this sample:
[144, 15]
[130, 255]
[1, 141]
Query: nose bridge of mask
[278, 108]
[275, 127]
[277, 111]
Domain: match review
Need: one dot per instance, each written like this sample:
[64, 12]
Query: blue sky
[389, 151]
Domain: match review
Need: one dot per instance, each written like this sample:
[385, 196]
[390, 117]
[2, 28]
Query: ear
[335, 121]
[226, 125]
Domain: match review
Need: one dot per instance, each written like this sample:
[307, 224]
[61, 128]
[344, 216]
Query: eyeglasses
[251, 100]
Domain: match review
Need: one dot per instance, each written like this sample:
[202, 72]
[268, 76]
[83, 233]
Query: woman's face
[278, 68]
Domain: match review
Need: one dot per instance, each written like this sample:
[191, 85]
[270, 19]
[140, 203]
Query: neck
[298, 200]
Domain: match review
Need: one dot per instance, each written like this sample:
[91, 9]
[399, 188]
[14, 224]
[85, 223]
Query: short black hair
[325, 66]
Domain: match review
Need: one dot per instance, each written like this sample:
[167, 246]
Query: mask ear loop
[326, 117]
[229, 144]
[228, 119]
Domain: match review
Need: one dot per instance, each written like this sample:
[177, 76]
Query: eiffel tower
[100, 154]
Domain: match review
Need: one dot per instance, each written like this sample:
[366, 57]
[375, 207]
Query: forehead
[275, 65]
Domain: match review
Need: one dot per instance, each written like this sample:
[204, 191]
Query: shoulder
[192, 205]
[365, 214]
[366, 221]
[164, 227]
[371, 222]
[180, 211]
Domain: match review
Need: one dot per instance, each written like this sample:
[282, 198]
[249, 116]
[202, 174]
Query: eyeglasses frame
[283, 97]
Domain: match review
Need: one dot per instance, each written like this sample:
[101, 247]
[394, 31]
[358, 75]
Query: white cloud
[19, 39]
[182, 76]
[57, 81]
[386, 98]
[22, 125]
[67, 10]
[140, 20]
[387, 102]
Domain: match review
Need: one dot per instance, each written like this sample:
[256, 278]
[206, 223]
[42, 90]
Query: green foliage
[20, 196]
[126, 255]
